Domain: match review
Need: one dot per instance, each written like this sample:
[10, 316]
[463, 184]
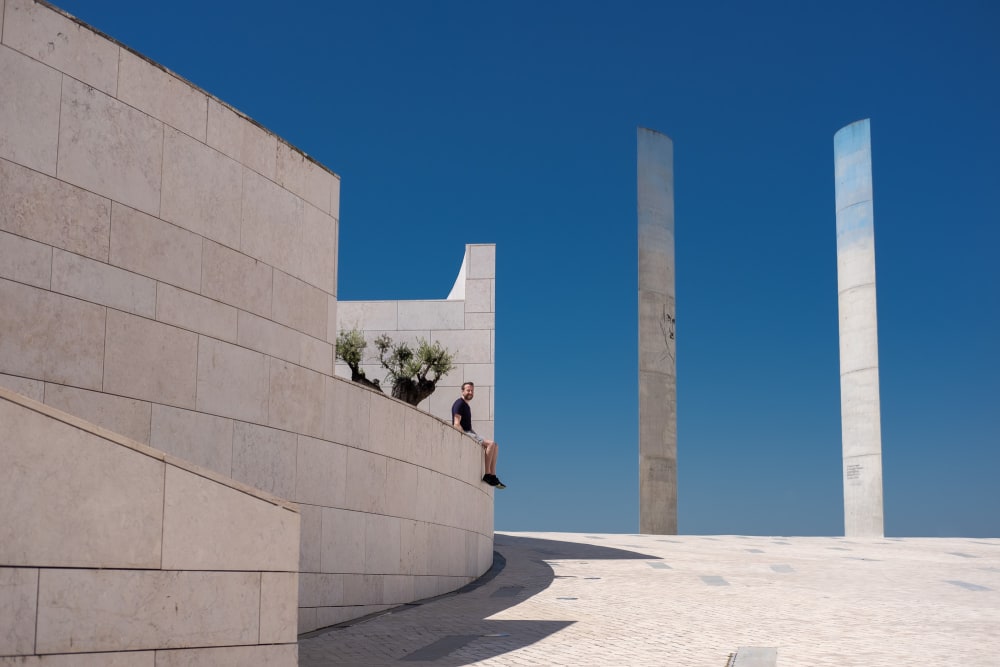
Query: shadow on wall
[519, 572]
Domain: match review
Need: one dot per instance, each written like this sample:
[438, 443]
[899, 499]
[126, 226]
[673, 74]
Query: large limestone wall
[108, 546]
[464, 323]
[168, 272]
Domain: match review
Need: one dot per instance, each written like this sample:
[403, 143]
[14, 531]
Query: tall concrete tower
[859, 395]
[657, 344]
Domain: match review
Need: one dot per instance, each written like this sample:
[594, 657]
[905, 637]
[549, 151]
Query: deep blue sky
[514, 123]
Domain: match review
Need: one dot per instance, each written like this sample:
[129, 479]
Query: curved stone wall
[168, 272]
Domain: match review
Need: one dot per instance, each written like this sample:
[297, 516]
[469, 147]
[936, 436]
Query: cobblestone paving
[694, 600]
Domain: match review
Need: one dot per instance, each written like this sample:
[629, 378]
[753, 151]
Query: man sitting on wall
[461, 418]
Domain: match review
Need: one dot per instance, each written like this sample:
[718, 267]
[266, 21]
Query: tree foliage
[414, 373]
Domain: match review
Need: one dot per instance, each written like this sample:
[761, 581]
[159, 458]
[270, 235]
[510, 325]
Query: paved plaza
[575, 599]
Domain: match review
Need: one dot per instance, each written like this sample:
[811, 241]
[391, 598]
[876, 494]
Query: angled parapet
[657, 343]
[859, 383]
[463, 323]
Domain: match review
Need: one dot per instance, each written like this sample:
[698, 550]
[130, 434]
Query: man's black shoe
[490, 479]
[499, 484]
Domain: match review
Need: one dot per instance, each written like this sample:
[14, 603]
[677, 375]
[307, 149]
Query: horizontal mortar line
[857, 203]
[853, 288]
[860, 370]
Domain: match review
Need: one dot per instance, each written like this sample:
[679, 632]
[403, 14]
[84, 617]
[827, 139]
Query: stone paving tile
[595, 600]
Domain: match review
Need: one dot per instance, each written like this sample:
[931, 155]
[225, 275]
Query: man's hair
[465, 383]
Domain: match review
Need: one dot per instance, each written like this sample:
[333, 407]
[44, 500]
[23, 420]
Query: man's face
[468, 391]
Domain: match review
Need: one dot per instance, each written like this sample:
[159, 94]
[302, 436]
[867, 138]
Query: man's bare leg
[490, 448]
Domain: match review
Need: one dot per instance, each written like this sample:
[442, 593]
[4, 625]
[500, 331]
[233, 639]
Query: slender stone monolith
[859, 393]
[657, 344]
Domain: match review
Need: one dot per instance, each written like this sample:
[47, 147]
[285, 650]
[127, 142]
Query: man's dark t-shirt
[460, 407]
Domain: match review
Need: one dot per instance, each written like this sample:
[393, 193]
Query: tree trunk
[413, 391]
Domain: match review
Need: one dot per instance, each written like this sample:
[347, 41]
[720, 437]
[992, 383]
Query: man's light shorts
[475, 436]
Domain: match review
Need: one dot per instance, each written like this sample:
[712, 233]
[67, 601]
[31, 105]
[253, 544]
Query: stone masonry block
[265, 458]
[150, 247]
[211, 526]
[321, 473]
[368, 315]
[431, 314]
[321, 590]
[471, 347]
[202, 189]
[150, 361]
[273, 655]
[232, 381]
[478, 296]
[195, 313]
[62, 44]
[346, 413]
[69, 498]
[52, 212]
[480, 320]
[241, 139]
[413, 547]
[125, 416]
[298, 174]
[385, 430]
[397, 588]
[29, 111]
[299, 305]
[657, 352]
[279, 595]
[479, 374]
[114, 610]
[858, 329]
[316, 250]
[109, 148]
[235, 279]
[272, 223]
[296, 399]
[102, 283]
[331, 319]
[482, 261]
[264, 335]
[200, 438]
[25, 261]
[316, 354]
[18, 598]
[162, 95]
[364, 589]
[343, 541]
[51, 337]
[311, 538]
[401, 488]
[366, 481]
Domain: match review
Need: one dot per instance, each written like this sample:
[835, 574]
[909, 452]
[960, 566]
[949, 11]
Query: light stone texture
[202, 439]
[235, 279]
[321, 590]
[316, 354]
[296, 399]
[366, 481]
[332, 311]
[381, 544]
[386, 427]
[150, 361]
[363, 589]
[33, 389]
[299, 305]
[241, 139]
[125, 416]
[210, 526]
[478, 296]
[69, 498]
[162, 95]
[471, 347]
[25, 261]
[343, 542]
[150, 247]
[118, 610]
[316, 252]
[265, 458]
[480, 320]
[195, 313]
[279, 594]
[368, 315]
[62, 44]
[232, 381]
[311, 538]
[482, 261]
[121, 659]
[276, 655]
[50, 337]
[102, 283]
[300, 175]
[109, 148]
[202, 189]
[18, 597]
[859, 384]
[657, 344]
[29, 111]
[431, 315]
[52, 212]
[271, 338]
[346, 413]
[401, 489]
[272, 223]
[321, 472]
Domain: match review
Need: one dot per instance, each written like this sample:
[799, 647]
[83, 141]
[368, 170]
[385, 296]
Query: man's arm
[456, 421]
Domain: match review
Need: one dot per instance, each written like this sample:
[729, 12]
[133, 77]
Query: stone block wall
[168, 273]
[108, 546]
[464, 323]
